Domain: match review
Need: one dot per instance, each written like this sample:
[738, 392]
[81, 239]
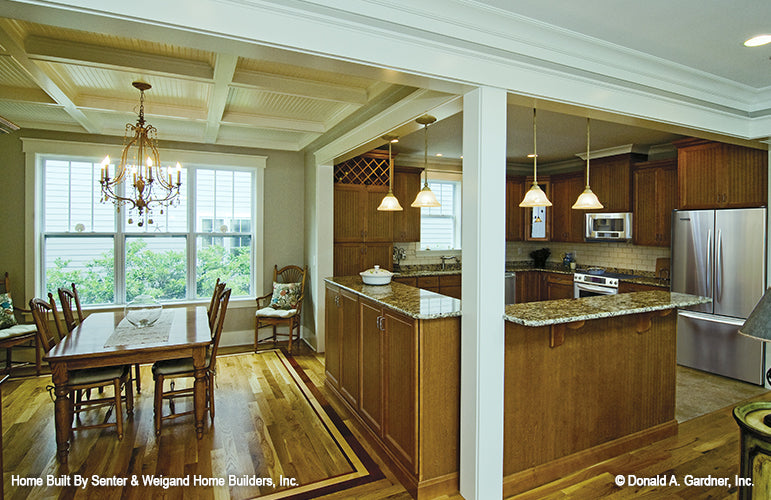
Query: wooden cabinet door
[380, 254]
[744, 177]
[332, 327]
[450, 285]
[611, 181]
[348, 210]
[515, 216]
[567, 224]
[379, 226]
[400, 423]
[371, 365]
[347, 259]
[646, 224]
[348, 314]
[406, 222]
[697, 169]
[666, 201]
[558, 287]
[528, 286]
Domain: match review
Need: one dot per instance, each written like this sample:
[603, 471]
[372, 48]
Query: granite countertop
[559, 268]
[414, 302]
[553, 312]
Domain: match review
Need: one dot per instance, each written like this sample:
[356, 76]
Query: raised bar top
[414, 302]
[552, 312]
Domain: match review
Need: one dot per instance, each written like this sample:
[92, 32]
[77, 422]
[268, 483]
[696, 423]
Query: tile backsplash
[616, 255]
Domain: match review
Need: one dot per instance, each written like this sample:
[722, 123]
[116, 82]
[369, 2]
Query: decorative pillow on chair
[7, 319]
[285, 295]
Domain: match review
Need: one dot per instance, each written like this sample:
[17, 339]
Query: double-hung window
[440, 226]
[210, 233]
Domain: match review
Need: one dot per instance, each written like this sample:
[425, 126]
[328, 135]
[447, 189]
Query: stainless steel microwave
[608, 227]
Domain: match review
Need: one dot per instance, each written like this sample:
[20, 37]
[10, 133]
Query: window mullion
[192, 288]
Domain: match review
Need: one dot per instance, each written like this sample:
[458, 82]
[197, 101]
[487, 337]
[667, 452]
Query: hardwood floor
[267, 426]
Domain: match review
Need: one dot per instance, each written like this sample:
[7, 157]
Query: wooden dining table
[87, 346]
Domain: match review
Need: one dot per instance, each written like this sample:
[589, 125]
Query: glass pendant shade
[425, 198]
[535, 197]
[390, 203]
[587, 200]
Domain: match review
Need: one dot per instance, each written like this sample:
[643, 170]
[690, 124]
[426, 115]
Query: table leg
[62, 410]
[199, 389]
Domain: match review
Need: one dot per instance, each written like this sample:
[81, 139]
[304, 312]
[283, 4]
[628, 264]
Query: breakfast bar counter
[585, 380]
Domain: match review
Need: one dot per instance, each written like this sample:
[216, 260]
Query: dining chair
[66, 298]
[281, 307]
[119, 377]
[178, 368]
[12, 332]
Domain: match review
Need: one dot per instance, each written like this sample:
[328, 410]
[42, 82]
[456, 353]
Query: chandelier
[140, 182]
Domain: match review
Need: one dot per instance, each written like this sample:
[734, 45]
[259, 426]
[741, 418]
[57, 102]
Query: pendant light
[587, 200]
[390, 203]
[426, 197]
[535, 197]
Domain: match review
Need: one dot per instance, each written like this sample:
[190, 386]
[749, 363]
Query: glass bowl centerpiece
[143, 311]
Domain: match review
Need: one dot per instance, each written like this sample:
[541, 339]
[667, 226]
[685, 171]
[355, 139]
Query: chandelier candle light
[535, 197]
[587, 200]
[426, 197]
[390, 203]
[152, 184]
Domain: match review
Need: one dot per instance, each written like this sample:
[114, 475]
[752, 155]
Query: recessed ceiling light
[757, 41]
[438, 154]
[531, 155]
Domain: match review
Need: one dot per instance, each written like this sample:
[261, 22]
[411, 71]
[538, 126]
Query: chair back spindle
[223, 300]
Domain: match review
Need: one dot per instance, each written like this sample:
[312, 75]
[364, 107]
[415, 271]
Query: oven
[588, 285]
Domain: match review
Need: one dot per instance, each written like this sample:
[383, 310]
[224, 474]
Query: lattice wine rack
[370, 169]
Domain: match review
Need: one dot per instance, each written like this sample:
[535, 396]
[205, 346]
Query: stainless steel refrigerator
[719, 254]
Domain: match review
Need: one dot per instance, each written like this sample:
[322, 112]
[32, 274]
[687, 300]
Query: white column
[322, 259]
[484, 258]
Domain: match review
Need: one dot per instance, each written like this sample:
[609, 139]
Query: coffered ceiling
[69, 80]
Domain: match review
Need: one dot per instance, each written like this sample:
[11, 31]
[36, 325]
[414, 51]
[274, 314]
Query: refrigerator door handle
[708, 273]
[719, 267]
[712, 318]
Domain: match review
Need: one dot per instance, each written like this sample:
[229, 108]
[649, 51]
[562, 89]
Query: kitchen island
[585, 379]
[393, 359]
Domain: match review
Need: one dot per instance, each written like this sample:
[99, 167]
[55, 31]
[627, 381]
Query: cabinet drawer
[407, 280]
[428, 282]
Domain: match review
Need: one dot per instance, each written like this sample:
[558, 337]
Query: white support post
[484, 259]
[322, 260]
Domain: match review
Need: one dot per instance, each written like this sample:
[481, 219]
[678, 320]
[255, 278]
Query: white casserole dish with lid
[376, 276]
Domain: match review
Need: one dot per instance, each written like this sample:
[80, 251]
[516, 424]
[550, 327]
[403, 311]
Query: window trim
[37, 150]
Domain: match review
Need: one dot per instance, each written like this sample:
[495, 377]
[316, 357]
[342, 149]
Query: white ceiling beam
[24, 94]
[298, 87]
[224, 69]
[62, 51]
[46, 83]
[272, 122]
[152, 109]
[394, 118]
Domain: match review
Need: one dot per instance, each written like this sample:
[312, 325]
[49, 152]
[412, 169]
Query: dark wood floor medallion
[272, 425]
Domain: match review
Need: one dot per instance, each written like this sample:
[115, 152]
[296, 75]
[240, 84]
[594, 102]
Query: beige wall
[618, 255]
[283, 239]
